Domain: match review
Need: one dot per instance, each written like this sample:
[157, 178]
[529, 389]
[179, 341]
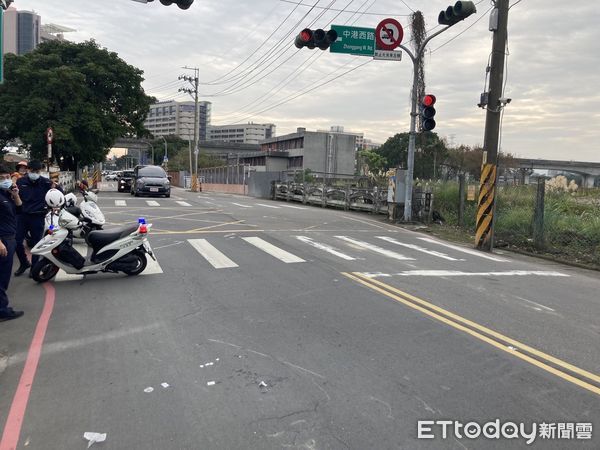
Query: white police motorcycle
[87, 212]
[121, 249]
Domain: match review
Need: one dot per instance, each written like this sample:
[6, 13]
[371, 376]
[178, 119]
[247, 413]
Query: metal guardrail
[373, 200]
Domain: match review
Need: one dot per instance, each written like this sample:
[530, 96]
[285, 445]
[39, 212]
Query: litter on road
[94, 437]
[149, 389]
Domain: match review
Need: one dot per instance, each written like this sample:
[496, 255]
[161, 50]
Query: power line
[354, 12]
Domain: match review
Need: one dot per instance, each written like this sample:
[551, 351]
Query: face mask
[6, 184]
[33, 176]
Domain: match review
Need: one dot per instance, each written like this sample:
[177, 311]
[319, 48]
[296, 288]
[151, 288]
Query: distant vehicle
[124, 181]
[150, 180]
[110, 176]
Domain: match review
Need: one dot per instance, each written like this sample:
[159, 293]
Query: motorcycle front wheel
[44, 270]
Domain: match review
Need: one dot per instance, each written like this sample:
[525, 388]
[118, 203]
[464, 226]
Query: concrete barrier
[224, 188]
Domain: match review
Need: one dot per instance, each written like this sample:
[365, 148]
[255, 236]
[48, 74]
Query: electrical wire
[515, 3]
[333, 9]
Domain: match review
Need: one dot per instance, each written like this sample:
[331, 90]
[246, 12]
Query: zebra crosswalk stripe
[376, 249]
[215, 257]
[152, 203]
[240, 205]
[272, 250]
[292, 206]
[120, 203]
[464, 250]
[325, 247]
[418, 248]
[268, 206]
[183, 203]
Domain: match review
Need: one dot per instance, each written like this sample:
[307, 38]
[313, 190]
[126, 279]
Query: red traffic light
[429, 100]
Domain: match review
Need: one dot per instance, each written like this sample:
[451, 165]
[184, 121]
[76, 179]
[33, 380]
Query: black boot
[10, 314]
[22, 268]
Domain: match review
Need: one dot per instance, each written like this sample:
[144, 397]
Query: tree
[430, 153]
[88, 95]
[371, 162]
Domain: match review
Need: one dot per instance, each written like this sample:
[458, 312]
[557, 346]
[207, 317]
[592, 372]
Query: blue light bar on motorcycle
[141, 220]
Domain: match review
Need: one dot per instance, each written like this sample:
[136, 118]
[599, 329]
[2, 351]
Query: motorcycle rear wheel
[44, 270]
[142, 261]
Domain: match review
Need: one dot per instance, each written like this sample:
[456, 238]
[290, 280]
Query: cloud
[552, 66]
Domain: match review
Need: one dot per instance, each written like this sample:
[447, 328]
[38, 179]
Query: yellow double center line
[549, 363]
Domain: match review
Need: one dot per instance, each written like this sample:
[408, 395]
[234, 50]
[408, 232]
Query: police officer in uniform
[10, 203]
[32, 190]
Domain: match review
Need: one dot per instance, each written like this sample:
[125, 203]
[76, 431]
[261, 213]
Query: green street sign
[354, 40]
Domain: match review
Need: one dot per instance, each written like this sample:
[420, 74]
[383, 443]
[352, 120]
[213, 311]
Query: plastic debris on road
[165, 385]
[210, 383]
[149, 389]
[94, 437]
[262, 384]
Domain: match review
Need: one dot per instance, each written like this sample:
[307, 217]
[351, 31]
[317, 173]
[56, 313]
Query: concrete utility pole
[194, 82]
[484, 235]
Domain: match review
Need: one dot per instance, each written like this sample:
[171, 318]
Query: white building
[177, 118]
[246, 133]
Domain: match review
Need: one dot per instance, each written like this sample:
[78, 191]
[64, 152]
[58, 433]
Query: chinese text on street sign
[354, 40]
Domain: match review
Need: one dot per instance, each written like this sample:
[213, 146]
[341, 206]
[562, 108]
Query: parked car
[150, 180]
[124, 181]
[110, 176]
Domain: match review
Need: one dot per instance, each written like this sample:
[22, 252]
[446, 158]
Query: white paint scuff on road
[149, 389]
[210, 383]
[465, 250]
[376, 249]
[164, 385]
[215, 257]
[458, 273]
[325, 248]
[418, 248]
[272, 250]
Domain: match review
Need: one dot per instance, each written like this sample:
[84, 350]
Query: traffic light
[428, 113]
[454, 14]
[183, 4]
[315, 38]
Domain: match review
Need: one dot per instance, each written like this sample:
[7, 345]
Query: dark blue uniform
[8, 230]
[31, 219]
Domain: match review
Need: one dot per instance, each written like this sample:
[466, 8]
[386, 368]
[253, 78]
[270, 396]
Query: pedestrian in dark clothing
[10, 204]
[32, 189]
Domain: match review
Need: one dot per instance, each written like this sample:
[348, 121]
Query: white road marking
[465, 250]
[419, 249]
[240, 205]
[120, 203]
[183, 203]
[152, 267]
[292, 206]
[457, 273]
[217, 259]
[152, 203]
[376, 249]
[272, 250]
[534, 303]
[268, 206]
[324, 247]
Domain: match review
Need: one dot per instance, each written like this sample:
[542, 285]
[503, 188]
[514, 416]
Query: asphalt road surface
[271, 325]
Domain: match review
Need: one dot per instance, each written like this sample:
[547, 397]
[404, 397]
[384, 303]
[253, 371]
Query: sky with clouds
[553, 67]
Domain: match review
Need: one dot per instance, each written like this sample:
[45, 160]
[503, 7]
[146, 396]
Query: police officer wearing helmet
[10, 204]
[32, 189]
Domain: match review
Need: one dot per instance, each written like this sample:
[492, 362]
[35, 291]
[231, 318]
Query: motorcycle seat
[75, 210]
[99, 238]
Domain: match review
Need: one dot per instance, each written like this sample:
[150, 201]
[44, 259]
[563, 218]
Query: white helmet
[70, 199]
[55, 198]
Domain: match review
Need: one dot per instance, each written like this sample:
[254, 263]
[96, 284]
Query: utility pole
[484, 234]
[193, 91]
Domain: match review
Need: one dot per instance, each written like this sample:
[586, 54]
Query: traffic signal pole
[484, 232]
[194, 81]
[410, 165]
